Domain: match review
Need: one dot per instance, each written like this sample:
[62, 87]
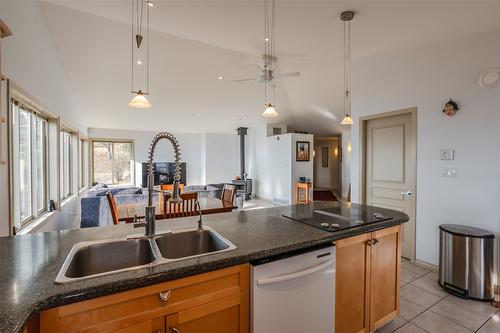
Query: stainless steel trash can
[466, 261]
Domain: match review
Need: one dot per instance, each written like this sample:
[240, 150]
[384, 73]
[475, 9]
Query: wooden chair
[185, 208]
[228, 193]
[170, 187]
[112, 207]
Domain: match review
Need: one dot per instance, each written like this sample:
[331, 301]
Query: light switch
[449, 172]
[447, 154]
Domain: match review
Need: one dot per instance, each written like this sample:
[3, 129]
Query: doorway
[327, 167]
[388, 167]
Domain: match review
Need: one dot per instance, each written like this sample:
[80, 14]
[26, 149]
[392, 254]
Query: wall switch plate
[447, 154]
[449, 173]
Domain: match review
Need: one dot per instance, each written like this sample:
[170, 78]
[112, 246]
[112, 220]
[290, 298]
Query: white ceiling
[193, 42]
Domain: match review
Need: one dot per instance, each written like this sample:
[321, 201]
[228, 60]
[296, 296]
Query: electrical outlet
[449, 173]
[447, 154]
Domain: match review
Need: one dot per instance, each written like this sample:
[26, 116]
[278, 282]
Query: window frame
[34, 116]
[105, 140]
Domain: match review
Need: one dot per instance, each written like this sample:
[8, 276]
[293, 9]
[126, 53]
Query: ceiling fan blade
[249, 79]
[288, 74]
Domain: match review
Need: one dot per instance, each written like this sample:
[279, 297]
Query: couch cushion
[119, 191]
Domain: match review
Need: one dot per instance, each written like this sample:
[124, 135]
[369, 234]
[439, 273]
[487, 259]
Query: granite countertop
[30, 263]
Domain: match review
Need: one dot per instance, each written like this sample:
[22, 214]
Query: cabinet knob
[174, 330]
[375, 241]
[369, 242]
[165, 296]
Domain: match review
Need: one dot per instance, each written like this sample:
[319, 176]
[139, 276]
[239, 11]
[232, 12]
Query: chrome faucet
[150, 222]
[200, 220]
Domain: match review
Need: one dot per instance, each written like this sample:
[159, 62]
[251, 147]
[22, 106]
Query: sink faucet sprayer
[150, 209]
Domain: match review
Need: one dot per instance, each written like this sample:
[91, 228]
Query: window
[29, 145]
[113, 162]
[66, 173]
[84, 162]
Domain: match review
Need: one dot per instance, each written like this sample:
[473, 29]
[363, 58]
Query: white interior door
[390, 170]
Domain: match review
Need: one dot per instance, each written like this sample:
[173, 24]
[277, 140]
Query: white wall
[210, 158]
[273, 166]
[222, 157]
[346, 161]
[30, 59]
[426, 78]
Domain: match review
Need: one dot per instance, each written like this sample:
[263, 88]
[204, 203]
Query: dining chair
[170, 187]
[112, 207]
[228, 193]
[186, 207]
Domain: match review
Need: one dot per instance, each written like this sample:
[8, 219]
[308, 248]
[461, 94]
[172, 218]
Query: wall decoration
[324, 157]
[302, 153]
[450, 108]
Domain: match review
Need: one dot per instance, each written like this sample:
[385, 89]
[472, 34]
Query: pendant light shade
[270, 111]
[139, 101]
[347, 120]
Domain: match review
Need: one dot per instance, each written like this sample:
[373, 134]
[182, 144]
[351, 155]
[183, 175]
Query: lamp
[140, 51]
[139, 101]
[347, 17]
[270, 111]
[269, 50]
[347, 120]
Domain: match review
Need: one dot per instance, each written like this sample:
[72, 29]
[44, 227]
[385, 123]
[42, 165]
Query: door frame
[412, 111]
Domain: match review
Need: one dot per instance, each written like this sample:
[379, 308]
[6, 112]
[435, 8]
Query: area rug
[324, 195]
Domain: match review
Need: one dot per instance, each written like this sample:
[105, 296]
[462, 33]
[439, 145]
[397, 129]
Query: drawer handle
[165, 296]
[174, 330]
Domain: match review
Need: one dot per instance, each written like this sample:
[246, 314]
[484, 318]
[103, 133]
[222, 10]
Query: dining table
[127, 212]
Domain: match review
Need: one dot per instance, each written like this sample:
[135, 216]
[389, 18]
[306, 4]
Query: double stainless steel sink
[92, 259]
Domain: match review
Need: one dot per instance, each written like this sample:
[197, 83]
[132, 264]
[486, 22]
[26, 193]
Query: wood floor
[425, 307]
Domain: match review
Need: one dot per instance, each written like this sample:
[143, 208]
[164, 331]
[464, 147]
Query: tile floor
[425, 307]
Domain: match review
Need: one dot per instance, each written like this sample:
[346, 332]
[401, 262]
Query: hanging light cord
[269, 44]
[347, 67]
[147, 54]
[132, 53]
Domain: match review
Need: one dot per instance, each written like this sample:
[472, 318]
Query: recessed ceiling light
[221, 77]
[150, 4]
[266, 39]
[139, 62]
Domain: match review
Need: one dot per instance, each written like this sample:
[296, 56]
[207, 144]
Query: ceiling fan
[266, 71]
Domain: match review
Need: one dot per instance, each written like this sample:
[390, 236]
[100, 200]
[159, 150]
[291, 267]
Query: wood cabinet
[367, 280]
[217, 301]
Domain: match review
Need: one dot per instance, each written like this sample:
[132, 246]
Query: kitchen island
[30, 263]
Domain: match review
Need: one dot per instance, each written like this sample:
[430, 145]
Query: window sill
[67, 200]
[36, 223]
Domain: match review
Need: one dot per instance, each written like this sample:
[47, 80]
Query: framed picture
[303, 152]
[324, 157]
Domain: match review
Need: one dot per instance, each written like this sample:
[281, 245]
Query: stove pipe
[242, 131]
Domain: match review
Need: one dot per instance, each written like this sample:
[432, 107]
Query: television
[164, 173]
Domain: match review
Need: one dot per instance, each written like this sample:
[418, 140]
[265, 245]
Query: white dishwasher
[294, 294]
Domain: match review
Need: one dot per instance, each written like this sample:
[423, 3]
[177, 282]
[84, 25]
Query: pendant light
[269, 56]
[347, 17]
[140, 10]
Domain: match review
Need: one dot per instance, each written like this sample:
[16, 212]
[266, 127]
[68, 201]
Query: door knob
[407, 193]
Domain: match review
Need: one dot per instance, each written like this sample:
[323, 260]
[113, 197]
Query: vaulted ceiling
[194, 42]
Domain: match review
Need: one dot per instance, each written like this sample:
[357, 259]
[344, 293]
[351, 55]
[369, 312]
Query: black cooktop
[337, 218]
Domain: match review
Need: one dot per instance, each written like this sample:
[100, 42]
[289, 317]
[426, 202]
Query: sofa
[95, 210]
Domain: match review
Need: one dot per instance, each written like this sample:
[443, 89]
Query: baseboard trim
[426, 265]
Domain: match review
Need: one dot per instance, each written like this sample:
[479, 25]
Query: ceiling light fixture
[270, 53]
[140, 10]
[221, 77]
[347, 17]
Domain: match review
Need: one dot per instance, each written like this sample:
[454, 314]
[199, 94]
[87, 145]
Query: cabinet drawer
[110, 313]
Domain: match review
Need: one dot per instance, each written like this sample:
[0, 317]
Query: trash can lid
[466, 231]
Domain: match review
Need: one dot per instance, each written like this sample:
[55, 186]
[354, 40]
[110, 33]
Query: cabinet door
[352, 283]
[228, 315]
[384, 270]
[156, 325]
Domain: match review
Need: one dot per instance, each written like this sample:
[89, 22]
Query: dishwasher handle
[294, 275]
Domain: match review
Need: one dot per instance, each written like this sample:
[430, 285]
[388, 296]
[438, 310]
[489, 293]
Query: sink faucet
[150, 223]
[200, 220]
